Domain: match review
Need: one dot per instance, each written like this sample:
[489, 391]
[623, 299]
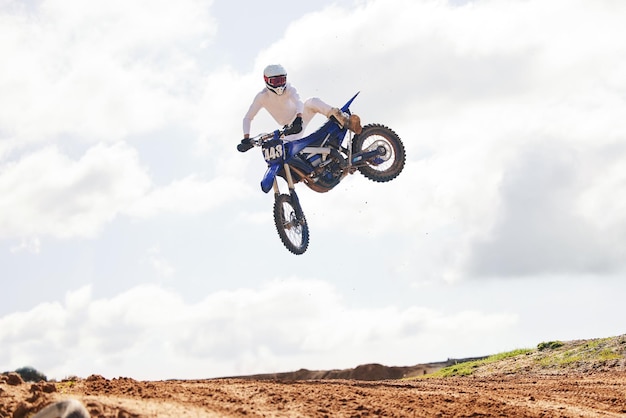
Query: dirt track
[600, 394]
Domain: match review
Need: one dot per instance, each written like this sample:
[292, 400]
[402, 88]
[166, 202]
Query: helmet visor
[276, 81]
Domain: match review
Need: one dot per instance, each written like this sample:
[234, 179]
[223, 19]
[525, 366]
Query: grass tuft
[551, 345]
[467, 368]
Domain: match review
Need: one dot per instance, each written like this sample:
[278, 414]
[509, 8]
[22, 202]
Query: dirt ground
[581, 378]
[601, 394]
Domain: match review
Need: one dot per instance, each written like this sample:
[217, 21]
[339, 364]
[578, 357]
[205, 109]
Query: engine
[330, 174]
[323, 173]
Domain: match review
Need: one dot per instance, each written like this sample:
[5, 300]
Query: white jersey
[283, 108]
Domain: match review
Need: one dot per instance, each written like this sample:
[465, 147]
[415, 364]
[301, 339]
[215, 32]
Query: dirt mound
[573, 379]
[18, 399]
[367, 372]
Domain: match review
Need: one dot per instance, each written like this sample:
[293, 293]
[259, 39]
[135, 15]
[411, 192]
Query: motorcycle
[320, 161]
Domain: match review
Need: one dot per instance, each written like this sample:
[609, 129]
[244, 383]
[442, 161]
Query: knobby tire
[293, 232]
[394, 163]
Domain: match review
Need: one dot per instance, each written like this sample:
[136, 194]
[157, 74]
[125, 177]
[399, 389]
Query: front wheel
[292, 230]
[389, 163]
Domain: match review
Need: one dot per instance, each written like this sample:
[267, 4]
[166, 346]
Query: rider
[283, 103]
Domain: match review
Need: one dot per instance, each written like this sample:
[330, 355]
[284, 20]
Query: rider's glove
[295, 128]
[245, 145]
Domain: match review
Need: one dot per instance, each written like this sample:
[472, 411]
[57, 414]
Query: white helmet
[275, 77]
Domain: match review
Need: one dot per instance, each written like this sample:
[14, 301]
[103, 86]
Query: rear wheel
[292, 230]
[390, 161]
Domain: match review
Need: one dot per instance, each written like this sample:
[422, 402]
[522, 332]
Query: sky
[135, 240]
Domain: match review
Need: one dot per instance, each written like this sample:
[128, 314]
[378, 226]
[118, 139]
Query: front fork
[292, 191]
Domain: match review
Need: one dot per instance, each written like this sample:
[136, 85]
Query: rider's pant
[312, 106]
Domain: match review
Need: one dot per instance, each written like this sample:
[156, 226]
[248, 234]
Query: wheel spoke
[386, 166]
[386, 161]
[292, 227]
[293, 232]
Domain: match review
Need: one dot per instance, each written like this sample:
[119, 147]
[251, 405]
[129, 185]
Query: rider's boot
[352, 122]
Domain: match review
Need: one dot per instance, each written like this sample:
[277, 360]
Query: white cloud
[31, 245]
[221, 109]
[470, 90]
[106, 72]
[47, 193]
[187, 196]
[100, 71]
[539, 214]
[602, 201]
[280, 326]
[161, 266]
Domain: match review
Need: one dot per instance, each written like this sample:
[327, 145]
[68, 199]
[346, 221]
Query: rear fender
[347, 105]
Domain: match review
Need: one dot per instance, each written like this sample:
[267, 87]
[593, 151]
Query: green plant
[30, 374]
[65, 386]
[608, 354]
[467, 368]
[591, 351]
[550, 345]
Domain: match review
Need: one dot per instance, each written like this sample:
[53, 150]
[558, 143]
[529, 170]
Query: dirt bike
[321, 160]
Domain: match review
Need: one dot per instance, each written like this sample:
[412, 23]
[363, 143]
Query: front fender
[268, 177]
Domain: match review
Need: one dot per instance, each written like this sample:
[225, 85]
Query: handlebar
[261, 138]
